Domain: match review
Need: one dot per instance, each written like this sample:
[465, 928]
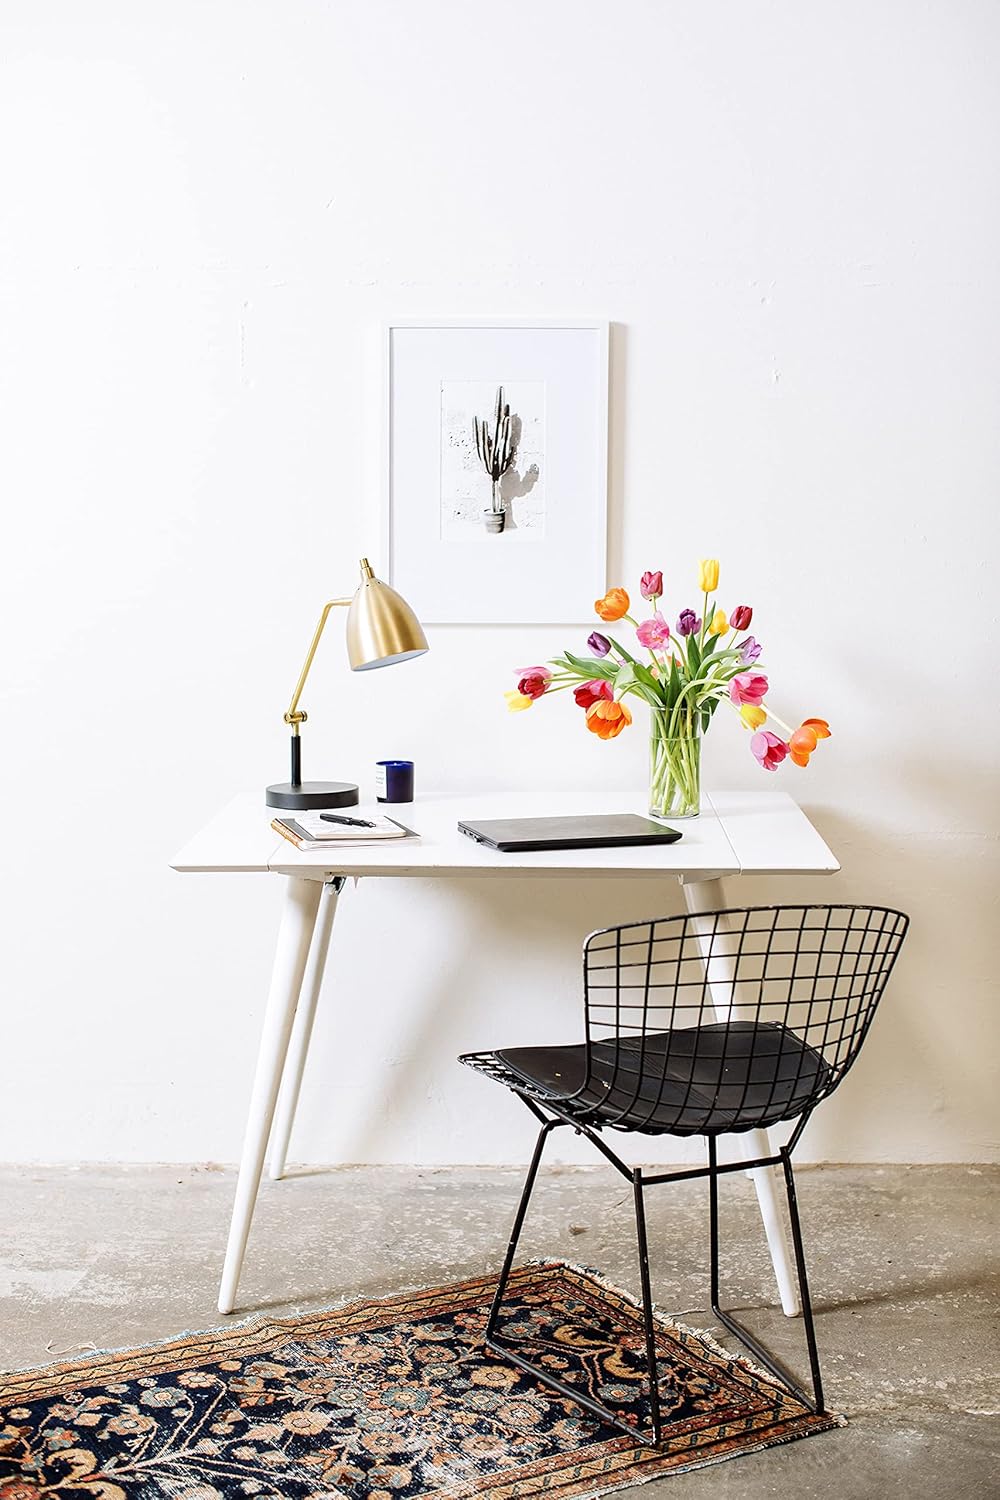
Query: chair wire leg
[647, 1304]
[766, 1358]
[515, 1234]
[713, 1222]
[800, 1266]
[494, 1341]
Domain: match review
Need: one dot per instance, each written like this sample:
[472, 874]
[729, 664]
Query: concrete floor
[901, 1261]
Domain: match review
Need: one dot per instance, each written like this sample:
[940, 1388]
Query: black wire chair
[708, 1025]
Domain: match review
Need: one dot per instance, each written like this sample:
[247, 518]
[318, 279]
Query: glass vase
[674, 765]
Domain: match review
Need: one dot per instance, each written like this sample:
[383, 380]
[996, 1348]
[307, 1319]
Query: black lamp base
[309, 794]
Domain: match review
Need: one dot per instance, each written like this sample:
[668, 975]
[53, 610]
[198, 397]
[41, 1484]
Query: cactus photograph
[496, 468]
[492, 459]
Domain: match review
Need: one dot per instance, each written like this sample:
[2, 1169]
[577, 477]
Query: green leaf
[724, 658]
[694, 656]
[634, 678]
[590, 667]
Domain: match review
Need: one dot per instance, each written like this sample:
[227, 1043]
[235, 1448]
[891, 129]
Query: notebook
[307, 830]
[606, 831]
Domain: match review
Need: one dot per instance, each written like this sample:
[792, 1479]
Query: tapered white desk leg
[708, 895]
[305, 1015]
[298, 918]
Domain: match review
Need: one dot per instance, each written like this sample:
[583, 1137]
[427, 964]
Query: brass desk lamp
[381, 629]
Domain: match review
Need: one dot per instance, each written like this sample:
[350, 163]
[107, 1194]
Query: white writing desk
[738, 833]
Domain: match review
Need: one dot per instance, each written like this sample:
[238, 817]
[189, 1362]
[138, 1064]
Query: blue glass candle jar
[394, 780]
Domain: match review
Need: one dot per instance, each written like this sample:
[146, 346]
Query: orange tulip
[803, 742]
[614, 604]
[607, 719]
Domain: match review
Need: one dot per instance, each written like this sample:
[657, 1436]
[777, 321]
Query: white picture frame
[442, 548]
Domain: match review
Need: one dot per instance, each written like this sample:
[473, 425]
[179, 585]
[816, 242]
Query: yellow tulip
[708, 575]
[752, 716]
[719, 624]
[517, 701]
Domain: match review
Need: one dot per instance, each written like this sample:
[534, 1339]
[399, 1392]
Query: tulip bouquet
[686, 673]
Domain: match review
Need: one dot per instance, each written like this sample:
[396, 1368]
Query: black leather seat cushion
[732, 1075]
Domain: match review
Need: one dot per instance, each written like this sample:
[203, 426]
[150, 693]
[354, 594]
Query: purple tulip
[687, 622]
[750, 650]
[598, 643]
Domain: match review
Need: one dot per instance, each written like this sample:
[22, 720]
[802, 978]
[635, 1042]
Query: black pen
[353, 822]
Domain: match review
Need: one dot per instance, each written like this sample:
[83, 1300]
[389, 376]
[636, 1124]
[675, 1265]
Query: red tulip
[533, 681]
[741, 617]
[589, 693]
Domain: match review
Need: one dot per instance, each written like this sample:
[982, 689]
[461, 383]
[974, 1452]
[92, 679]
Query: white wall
[789, 212]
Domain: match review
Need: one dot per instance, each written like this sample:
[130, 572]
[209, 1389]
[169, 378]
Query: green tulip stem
[674, 766]
[704, 620]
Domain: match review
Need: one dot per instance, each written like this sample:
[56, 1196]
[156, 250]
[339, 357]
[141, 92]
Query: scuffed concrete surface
[901, 1260]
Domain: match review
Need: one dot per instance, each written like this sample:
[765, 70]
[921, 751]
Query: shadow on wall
[617, 368]
[923, 1060]
[919, 1084]
[514, 485]
[537, 945]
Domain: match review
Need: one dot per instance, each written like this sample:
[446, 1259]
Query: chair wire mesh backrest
[731, 1019]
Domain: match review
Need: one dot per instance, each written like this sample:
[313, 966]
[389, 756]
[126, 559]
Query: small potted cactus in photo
[496, 446]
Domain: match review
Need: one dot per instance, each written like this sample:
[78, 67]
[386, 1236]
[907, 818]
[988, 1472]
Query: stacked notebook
[307, 830]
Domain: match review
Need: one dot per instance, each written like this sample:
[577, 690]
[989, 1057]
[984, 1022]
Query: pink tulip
[748, 687]
[651, 585]
[769, 750]
[654, 633]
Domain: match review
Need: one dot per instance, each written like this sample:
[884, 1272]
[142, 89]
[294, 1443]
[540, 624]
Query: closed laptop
[603, 831]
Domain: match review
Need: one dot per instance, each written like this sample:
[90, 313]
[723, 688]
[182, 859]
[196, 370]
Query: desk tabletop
[737, 833]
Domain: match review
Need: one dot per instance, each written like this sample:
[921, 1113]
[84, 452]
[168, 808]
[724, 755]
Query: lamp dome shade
[381, 627]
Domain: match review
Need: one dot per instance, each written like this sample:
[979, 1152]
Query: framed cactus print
[495, 497]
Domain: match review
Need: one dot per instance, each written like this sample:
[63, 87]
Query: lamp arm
[293, 714]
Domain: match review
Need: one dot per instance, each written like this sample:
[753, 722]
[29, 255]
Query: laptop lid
[602, 831]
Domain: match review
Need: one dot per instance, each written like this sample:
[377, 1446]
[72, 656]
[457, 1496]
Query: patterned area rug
[386, 1401]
